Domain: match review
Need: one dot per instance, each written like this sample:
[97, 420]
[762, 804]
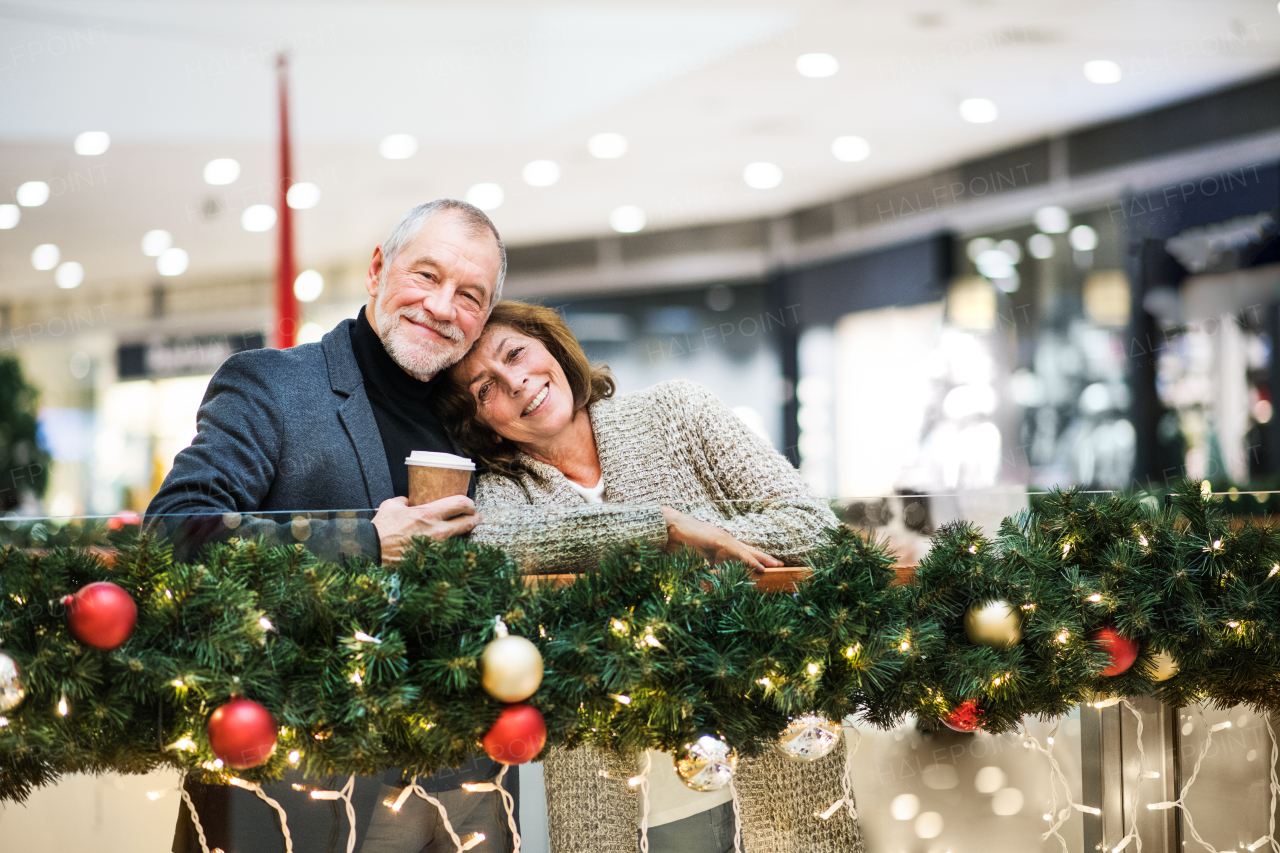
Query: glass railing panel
[952, 791]
[1231, 800]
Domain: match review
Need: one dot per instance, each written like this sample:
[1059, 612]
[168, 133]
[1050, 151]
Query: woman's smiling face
[520, 389]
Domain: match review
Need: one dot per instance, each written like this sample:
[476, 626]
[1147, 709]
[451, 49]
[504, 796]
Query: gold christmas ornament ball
[511, 669]
[707, 764]
[997, 624]
[808, 738]
[11, 689]
[1166, 666]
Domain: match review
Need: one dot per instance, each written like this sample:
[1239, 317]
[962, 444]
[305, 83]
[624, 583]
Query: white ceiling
[700, 89]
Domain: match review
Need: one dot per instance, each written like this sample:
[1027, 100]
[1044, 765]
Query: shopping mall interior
[941, 254]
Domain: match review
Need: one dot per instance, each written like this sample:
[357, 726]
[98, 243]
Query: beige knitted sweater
[674, 444]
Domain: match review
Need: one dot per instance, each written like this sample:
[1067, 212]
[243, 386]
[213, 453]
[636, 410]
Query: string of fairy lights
[1056, 815]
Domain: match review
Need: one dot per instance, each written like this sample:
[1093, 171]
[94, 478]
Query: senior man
[327, 427]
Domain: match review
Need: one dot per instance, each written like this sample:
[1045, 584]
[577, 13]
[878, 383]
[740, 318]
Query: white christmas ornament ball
[11, 689]
[511, 669]
[706, 764]
[808, 738]
[1165, 665]
[997, 624]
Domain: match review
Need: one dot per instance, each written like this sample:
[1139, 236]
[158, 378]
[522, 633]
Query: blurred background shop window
[724, 337]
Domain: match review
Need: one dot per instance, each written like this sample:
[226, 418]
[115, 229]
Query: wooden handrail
[783, 579]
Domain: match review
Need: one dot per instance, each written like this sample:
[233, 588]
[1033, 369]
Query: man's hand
[713, 543]
[397, 523]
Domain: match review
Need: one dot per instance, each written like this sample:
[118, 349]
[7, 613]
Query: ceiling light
[33, 194]
[978, 110]
[850, 149]
[258, 217]
[541, 173]
[817, 65]
[398, 146]
[1053, 219]
[222, 171]
[627, 219]
[172, 262]
[1083, 238]
[762, 176]
[155, 242]
[92, 142]
[1040, 246]
[69, 275]
[607, 146]
[303, 196]
[10, 214]
[485, 196]
[1102, 71]
[308, 286]
[45, 256]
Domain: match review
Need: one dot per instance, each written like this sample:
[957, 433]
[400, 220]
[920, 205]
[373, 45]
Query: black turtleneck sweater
[402, 406]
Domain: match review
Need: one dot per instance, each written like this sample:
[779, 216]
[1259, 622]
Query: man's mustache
[450, 331]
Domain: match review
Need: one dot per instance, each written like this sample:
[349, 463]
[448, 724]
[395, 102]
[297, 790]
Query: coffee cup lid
[439, 460]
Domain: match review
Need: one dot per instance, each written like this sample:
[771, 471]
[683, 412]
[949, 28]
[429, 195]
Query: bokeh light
[172, 262]
[258, 217]
[155, 242]
[303, 196]
[45, 256]
[978, 110]
[607, 146]
[221, 172]
[627, 219]
[308, 286]
[68, 275]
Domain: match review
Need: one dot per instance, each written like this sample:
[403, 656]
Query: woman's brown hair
[457, 407]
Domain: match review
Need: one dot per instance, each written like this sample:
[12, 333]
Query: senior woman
[670, 465]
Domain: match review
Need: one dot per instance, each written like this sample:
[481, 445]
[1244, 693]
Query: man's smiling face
[430, 303]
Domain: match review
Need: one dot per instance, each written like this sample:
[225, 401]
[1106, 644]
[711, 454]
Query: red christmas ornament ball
[1123, 651]
[517, 736]
[966, 717]
[242, 733]
[101, 615]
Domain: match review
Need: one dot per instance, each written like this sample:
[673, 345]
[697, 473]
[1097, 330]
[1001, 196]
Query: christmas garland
[360, 667]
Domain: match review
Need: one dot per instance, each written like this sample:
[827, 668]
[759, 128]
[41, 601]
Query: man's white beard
[421, 359]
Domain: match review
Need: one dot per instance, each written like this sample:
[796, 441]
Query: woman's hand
[713, 543]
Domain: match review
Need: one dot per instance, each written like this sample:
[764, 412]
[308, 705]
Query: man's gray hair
[413, 221]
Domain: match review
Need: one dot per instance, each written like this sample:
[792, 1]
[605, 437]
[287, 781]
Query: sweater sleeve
[550, 539]
[768, 505]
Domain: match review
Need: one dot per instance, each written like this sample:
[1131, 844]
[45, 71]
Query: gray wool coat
[282, 431]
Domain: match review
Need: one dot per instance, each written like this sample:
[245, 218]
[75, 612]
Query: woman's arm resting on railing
[549, 539]
[770, 507]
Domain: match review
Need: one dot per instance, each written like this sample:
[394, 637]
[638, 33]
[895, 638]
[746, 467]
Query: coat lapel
[356, 414]
[357, 419]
